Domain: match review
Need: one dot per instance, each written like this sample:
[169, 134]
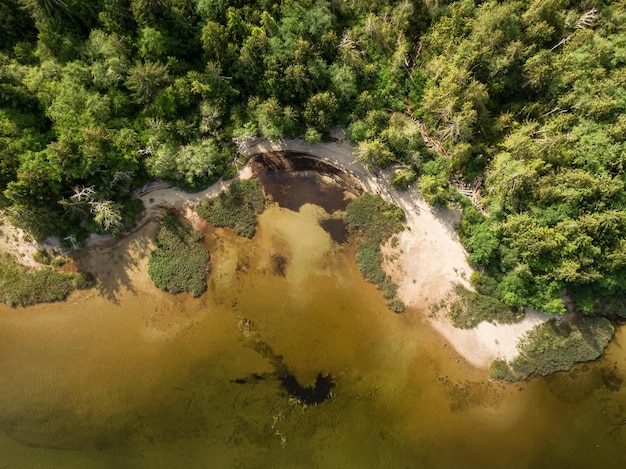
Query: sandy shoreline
[428, 259]
[426, 262]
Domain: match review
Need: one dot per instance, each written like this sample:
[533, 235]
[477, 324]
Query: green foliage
[396, 305]
[525, 96]
[471, 308]
[59, 261]
[369, 260]
[145, 80]
[370, 217]
[20, 286]
[483, 244]
[42, 256]
[374, 221]
[15, 23]
[83, 280]
[389, 289]
[179, 263]
[434, 181]
[320, 112]
[403, 178]
[237, 208]
[190, 166]
[524, 101]
[433, 191]
[373, 153]
[555, 346]
[107, 94]
[500, 369]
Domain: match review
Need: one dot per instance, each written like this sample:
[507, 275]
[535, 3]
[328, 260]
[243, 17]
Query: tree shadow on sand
[116, 262]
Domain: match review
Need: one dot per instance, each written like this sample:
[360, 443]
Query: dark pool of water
[292, 180]
[336, 228]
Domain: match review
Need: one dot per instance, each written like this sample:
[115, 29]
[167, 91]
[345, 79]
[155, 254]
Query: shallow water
[129, 376]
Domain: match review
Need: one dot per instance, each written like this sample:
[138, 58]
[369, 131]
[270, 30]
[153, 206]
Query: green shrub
[484, 283]
[59, 261]
[373, 221]
[237, 208]
[500, 369]
[83, 280]
[434, 181]
[471, 308]
[369, 260]
[556, 346]
[42, 257]
[179, 263]
[403, 178]
[20, 286]
[396, 305]
[371, 218]
[389, 289]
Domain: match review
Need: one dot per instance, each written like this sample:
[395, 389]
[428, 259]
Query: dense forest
[512, 109]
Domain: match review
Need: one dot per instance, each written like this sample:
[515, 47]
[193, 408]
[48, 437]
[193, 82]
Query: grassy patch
[471, 308]
[41, 256]
[179, 263]
[236, 208]
[374, 221]
[21, 286]
[556, 346]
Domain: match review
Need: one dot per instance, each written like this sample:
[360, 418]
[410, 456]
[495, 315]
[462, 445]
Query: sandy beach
[426, 261]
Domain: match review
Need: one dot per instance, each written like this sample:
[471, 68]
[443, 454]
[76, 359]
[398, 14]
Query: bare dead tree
[586, 21]
[83, 194]
[472, 191]
[121, 176]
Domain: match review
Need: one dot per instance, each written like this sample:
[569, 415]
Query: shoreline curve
[426, 262]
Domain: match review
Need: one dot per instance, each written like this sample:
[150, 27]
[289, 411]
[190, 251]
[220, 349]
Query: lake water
[129, 377]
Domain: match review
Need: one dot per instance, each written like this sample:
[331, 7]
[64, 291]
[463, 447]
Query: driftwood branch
[432, 143]
[471, 191]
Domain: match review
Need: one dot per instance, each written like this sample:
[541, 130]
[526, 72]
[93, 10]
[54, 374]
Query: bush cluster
[42, 257]
[556, 346]
[373, 221]
[179, 263]
[20, 286]
[471, 308]
[237, 208]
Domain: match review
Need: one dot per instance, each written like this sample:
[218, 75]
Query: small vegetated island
[179, 263]
[236, 208]
[512, 110]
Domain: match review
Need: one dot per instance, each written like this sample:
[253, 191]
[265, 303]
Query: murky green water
[130, 377]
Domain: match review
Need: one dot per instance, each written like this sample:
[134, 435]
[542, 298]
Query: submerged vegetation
[556, 346]
[21, 286]
[236, 208]
[179, 263]
[374, 221]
